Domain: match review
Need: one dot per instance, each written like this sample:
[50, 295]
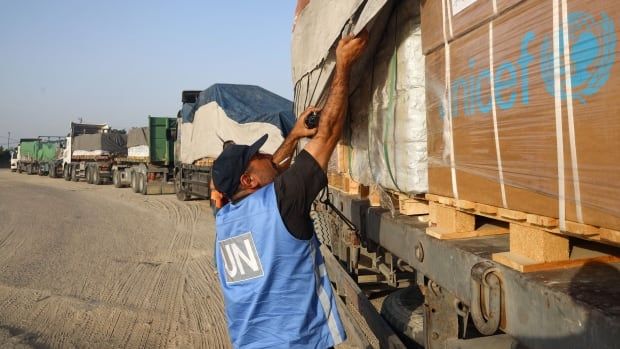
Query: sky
[117, 62]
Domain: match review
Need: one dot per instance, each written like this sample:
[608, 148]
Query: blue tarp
[244, 104]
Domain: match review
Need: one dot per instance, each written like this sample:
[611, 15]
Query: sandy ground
[84, 266]
[93, 266]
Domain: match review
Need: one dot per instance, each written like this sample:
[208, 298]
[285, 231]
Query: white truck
[14, 155]
[90, 152]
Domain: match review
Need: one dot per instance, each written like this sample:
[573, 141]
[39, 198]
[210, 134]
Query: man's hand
[300, 130]
[350, 48]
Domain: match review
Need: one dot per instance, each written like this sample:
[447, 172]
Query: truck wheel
[66, 174]
[96, 175]
[142, 183]
[74, 175]
[89, 175]
[323, 226]
[178, 188]
[52, 171]
[116, 179]
[404, 310]
[134, 182]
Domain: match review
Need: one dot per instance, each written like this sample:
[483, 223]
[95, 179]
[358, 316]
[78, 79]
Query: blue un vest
[276, 290]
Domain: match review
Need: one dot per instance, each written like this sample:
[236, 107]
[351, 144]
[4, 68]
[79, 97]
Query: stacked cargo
[523, 121]
[90, 152]
[99, 144]
[148, 167]
[384, 145]
[138, 143]
[499, 109]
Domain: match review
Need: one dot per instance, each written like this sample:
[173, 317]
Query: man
[275, 286]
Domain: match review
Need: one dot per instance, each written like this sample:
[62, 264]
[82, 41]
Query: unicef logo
[592, 55]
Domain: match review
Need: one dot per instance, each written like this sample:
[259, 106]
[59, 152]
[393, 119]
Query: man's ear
[246, 181]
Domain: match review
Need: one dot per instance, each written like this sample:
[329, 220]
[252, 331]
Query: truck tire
[116, 179]
[142, 183]
[52, 171]
[66, 173]
[87, 173]
[74, 175]
[134, 182]
[404, 310]
[96, 175]
[323, 226]
[178, 188]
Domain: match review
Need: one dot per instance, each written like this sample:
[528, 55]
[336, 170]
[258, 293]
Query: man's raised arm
[332, 119]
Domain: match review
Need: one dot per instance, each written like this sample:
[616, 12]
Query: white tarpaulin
[211, 127]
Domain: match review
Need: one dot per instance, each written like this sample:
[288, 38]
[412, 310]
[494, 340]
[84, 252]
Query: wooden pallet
[204, 162]
[406, 205]
[536, 243]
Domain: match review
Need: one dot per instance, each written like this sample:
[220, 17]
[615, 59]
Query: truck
[49, 156]
[476, 237]
[27, 155]
[90, 152]
[148, 167]
[221, 113]
[14, 160]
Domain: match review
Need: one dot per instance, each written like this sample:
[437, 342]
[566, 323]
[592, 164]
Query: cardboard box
[512, 159]
[454, 18]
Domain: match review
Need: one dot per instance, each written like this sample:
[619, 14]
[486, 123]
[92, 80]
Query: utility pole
[8, 141]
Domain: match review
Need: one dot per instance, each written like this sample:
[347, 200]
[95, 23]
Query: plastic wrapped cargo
[241, 113]
[386, 126]
[522, 110]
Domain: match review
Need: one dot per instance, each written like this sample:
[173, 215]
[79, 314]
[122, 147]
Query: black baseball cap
[231, 164]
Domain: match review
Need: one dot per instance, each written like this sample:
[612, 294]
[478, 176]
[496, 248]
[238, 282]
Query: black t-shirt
[296, 189]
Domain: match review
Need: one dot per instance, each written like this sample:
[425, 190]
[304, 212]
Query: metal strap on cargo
[495, 126]
[558, 114]
[569, 107]
[448, 100]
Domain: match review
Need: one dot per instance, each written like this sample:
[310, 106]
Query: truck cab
[14, 159]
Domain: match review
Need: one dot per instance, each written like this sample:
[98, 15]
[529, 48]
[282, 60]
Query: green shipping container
[161, 144]
[47, 151]
[28, 149]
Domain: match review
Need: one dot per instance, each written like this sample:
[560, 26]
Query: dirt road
[93, 266]
[85, 266]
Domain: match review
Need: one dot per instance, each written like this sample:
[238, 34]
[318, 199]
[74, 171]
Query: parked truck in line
[27, 155]
[148, 167]
[49, 156]
[189, 179]
[90, 152]
[221, 113]
[14, 160]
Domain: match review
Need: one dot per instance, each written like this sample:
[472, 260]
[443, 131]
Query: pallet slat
[536, 242]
